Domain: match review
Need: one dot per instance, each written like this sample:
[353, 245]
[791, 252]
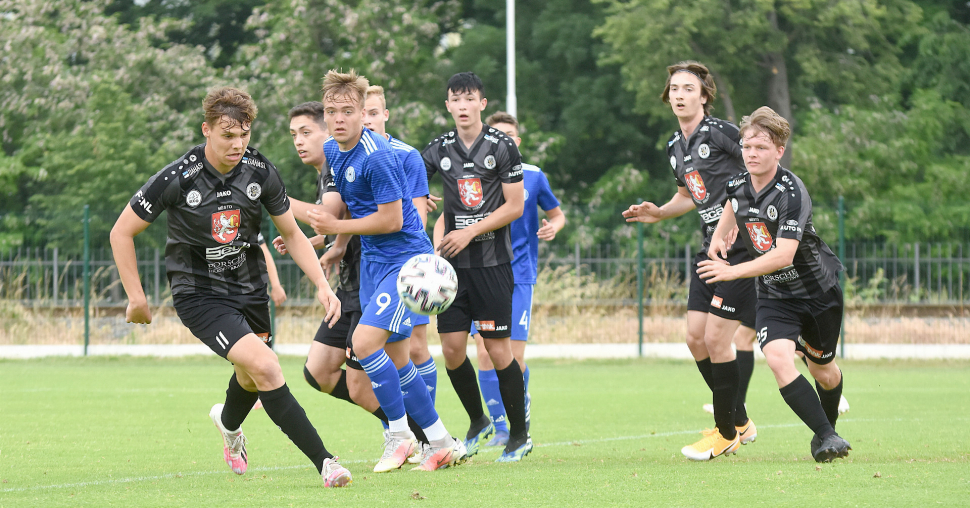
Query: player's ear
[205, 129]
[484, 102]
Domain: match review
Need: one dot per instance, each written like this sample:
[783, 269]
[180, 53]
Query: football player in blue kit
[215, 195]
[526, 231]
[367, 178]
[800, 303]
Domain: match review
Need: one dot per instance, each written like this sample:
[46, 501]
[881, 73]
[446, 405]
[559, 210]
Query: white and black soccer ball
[427, 284]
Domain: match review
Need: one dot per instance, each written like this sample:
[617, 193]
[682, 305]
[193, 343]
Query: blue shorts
[382, 306]
[521, 312]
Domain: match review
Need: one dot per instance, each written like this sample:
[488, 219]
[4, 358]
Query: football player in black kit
[704, 154]
[483, 193]
[215, 195]
[799, 298]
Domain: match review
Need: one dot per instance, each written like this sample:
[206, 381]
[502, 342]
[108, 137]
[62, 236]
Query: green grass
[135, 432]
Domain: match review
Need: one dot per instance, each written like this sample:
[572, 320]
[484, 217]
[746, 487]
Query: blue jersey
[370, 174]
[414, 169]
[525, 243]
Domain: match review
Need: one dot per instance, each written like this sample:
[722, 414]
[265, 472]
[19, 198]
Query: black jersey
[350, 263]
[213, 221]
[704, 163]
[473, 189]
[783, 209]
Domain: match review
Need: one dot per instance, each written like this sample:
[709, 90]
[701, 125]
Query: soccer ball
[427, 284]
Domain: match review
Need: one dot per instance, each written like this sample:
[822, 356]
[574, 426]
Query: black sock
[725, 396]
[465, 382]
[830, 400]
[801, 398]
[290, 417]
[512, 387]
[745, 368]
[239, 403]
[340, 389]
[417, 430]
[380, 415]
[705, 367]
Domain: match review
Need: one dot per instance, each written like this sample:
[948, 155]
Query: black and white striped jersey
[704, 163]
[783, 209]
[213, 221]
[473, 189]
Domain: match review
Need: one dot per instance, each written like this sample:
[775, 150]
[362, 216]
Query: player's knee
[265, 370]
[310, 379]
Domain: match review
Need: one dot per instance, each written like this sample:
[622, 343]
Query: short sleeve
[430, 164]
[796, 209]
[161, 191]
[385, 175]
[509, 166]
[728, 139]
[547, 200]
[414, 168]
[673, 167]
[273, 194]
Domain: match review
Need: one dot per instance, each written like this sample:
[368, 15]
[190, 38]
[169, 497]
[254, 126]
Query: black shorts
[220, 321]
[734, 299]
[340, 334]
[814, 325]
[485, 297]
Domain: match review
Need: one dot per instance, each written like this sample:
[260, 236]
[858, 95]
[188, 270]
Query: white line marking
[368, 461]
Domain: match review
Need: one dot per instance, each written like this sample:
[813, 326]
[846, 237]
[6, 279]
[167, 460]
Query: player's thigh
[490, 291]
[744, 338]
[219, 322]
[323, 362]
[718, 337]
[484, 361]
[386, 311]
[820, 335]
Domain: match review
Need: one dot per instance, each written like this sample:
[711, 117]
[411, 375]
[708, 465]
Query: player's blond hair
[502, 117]
[700, 71]
[232, 103]
[376, 91]
[344, 85]
[764, 119]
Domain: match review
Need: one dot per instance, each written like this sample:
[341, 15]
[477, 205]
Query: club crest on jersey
[470, 190]
[350, 174]
[673, 162]
[772, 212]
[760, 237]
[696, 185]
[253, 191]
[490, 161]
[225, 225]
[193, 198]
[704, 151]
[445, 163]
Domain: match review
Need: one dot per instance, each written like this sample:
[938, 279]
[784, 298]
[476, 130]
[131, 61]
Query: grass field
[135, 432]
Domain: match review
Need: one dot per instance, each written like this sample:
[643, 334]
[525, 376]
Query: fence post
[577, 259]
[87, 277]
[56, 273]
[640, 289]
[916, 273]
[844, 264]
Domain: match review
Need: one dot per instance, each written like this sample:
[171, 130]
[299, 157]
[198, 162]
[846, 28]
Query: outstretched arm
[650, 213]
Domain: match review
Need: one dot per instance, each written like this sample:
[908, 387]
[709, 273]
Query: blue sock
[525, 377]
[416, 397]
[488, 380]
[429, 373]
[386, 382]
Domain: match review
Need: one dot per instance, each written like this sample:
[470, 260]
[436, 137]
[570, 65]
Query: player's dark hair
[465, 82]
[231, 103]
[700, 71]
[502, 117]
[764, 119]
[345, 84]
[312, 110]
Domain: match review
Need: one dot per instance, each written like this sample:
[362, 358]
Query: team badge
[704, 151]
[445, 164]
[470, 190]
[526, 194]
[225, 225]
[734, 204]
[772, 212]
[490, 161]
[760, 237]
[350, 174]
[673, 162]
[191, 158]
[253, 190]
[193, 198]
[696, 185]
